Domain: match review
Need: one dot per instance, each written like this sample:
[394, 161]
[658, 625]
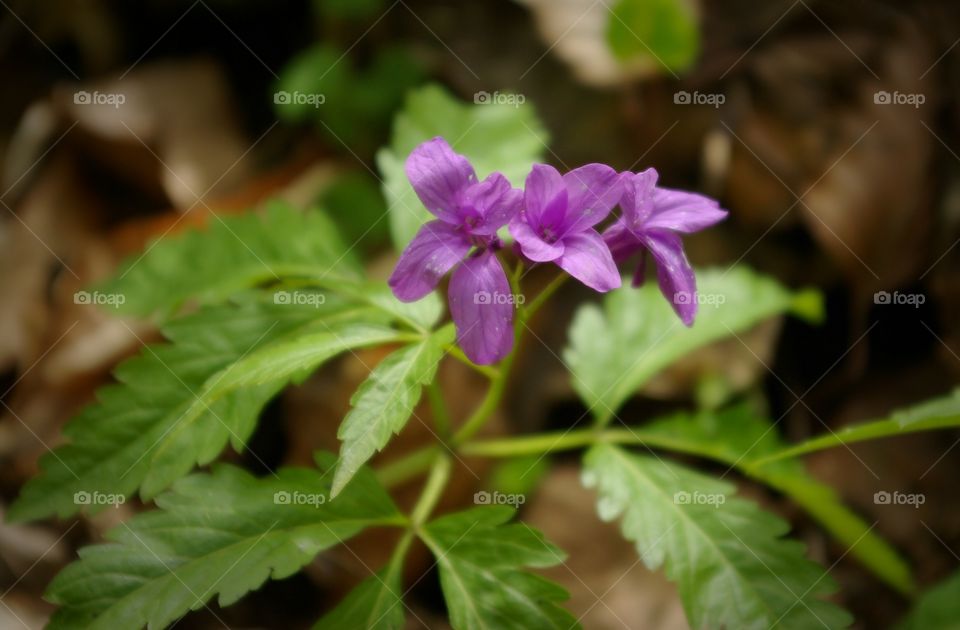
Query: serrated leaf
[939, 413]
[481, 560]
[495, 137]
[223, 533]
[738, 437]
[384, 402]
[171, 409]
[269, 367]
[616, 349]
[376, 603]
[937, 608]
[663, 31]
[732, 567]
[232, 254]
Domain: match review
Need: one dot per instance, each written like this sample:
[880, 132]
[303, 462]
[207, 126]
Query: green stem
[432, 490]
[407, 467]
[441, 416]
[455, 351]
[544, 295]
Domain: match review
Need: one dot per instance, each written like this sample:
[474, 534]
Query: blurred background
[829, 130]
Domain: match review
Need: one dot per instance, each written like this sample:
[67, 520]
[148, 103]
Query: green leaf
[939, 413]
[223, 533]
[384, 402]
[480, 560]
[613, 351]
[737, 437]
[111, 441]
[495, 137]
[663, 31]
[728, 558]
[937, 608]
[172, 409]
[376, 603]
[232, 254]
[355, 202]
[350, 104]
[271, 367]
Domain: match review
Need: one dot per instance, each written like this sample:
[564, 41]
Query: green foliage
[937, 608]
[616, 349]
[494, 137]
[232, 254]
[355, 202]
[663, 31]
[376, 603]
[351, 105]
[384, 402]
[481, 560]
[938, 413]
[178, 405]
[728, 558]
[738, 437]
[223, 533]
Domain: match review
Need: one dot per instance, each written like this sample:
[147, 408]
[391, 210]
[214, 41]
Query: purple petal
[587, 258]
[438, 175]
[622, 242]
[681, 211]
[674, 273]
[592, 191]
[482, 308]
[637, 199]
[436, 248]
[544, 198]
[494, 202]
[531, 245]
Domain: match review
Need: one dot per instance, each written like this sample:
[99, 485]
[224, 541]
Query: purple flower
[556, 224]
[469, 213]
[653, 219]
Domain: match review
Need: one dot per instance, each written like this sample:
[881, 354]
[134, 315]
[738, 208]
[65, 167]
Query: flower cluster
[554, 219]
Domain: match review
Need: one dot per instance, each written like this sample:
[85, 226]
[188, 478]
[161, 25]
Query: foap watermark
[485, 297]
[299, 298]
[712, 99]
[82, 497]
[896, 497]
[82, 97]
[898, 98]
[498, 498]
[695, 297]
[909, 299]
[498, 98]
[299, 98]
[716, 499]
[116, 300]
[314, 499]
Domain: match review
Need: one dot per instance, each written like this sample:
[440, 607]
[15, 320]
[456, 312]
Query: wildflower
[652, 220]
[464, 235]
[558, 218]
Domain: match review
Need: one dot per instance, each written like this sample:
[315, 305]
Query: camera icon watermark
[85, 298]
[712, 99]
[883, 97]
[498, 498]
[896, 298]
[299, 298]
[486, 298]
[282, 497]
[884, 497]
[498, 98]
[82, 497]
[82, 97]
[714, 499]
[695, 297]
[298, 98]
